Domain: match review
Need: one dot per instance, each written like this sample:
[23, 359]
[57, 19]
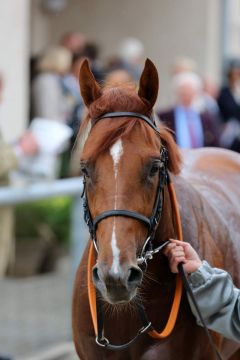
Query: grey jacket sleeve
[218, 300]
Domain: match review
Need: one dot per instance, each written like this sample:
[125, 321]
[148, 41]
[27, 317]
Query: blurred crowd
[200, 113]
[55, 90]
[203, 114]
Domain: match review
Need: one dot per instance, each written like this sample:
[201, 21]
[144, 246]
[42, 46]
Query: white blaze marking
[115, 250]
[116, 152]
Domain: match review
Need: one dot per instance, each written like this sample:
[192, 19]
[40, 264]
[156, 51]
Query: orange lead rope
[178, 290]
[91, 287]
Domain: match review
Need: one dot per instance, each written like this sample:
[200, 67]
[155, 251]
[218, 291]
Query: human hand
[179, 251]
[28, 144]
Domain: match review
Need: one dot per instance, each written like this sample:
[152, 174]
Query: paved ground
[35, 315]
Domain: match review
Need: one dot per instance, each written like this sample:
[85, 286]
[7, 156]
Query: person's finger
[190, 253]
[179, 242]
[176, 257]
[178, 253]
[177, 249]
[173, 263]
[168, 249]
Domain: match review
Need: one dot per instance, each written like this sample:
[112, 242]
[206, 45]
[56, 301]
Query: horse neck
[165, 229]
[158, 273]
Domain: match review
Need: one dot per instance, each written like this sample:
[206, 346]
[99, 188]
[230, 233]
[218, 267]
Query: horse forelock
[118, 99]
[106, 132]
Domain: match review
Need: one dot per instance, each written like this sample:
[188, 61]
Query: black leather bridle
[147, 250]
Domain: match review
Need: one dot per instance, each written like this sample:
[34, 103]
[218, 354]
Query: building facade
[207, 31]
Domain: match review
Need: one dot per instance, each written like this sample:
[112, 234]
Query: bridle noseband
[147, 250]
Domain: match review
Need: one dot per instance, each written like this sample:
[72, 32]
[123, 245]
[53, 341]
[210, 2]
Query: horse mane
[123, 98]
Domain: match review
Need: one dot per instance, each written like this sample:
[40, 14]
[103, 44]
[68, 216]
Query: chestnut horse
[120, 161]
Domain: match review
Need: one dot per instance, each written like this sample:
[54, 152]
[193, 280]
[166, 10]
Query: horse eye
[84, 170]
[154, 169]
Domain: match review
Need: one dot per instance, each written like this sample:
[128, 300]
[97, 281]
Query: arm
[8, 159]
[218, 299]
[10, 154]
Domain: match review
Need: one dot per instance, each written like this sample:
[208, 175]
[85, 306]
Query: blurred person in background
[192, 129]
[206, 99]
[71, 84]
[210, 94]
[9, 159]
[210, 87]
[229, 105]
[183, 64]
[91, 51]
[73, 41]
[72, 92]
[113, 63]
[115, 78]
[119, 77]
[48, 97]
[131, 52]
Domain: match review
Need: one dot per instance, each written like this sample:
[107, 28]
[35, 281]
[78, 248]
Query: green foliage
[56, 213]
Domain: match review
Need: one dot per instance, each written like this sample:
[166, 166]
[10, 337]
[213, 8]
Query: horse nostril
[135, 276]
[95, 275]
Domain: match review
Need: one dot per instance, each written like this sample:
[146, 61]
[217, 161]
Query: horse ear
[149, 83]
[90, 89]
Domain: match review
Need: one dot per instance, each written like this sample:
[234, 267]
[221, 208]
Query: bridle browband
[119, 114]
[151, 222]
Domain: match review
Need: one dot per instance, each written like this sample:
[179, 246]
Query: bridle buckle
[145, 328]
[102, 342]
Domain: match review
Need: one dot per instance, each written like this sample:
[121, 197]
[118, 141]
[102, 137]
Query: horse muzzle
[117, 287]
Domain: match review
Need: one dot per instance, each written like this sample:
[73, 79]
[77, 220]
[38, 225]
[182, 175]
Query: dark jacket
[229, 110]
[209, 124]
[228, 106]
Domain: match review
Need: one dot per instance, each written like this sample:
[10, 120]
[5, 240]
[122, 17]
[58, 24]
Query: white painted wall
[213, 46]
[233, 46]
[40, 28]
[14, 45]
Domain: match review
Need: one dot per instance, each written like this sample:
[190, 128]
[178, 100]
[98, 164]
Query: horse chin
[119, 298]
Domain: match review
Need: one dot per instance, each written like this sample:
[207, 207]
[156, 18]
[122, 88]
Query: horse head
[121, 160]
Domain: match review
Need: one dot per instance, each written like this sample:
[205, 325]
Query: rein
[146, 254]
